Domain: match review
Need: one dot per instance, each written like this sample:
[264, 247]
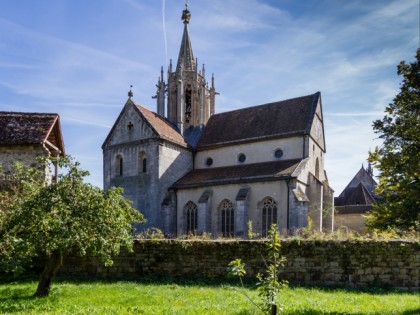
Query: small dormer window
[278, 153]
[241, 158]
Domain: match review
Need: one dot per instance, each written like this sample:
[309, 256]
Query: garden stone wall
[393, 264]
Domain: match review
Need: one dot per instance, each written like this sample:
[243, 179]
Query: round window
[209, 161]
[278, 153]
[241, 158]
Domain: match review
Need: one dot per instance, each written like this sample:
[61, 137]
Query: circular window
[209, 161]
[241, 158]
[278, 153]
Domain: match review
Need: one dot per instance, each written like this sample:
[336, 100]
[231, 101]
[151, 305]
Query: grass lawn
[194, 298]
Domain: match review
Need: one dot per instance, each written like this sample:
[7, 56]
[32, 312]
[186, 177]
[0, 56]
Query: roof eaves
[217, 182]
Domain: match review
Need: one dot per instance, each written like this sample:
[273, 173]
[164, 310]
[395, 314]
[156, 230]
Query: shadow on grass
[17, 300]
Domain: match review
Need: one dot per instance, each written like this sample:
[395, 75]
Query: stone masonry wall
[25, 154]
[394, 264]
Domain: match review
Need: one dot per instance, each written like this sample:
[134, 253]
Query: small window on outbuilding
[241, 158]
[209, 161]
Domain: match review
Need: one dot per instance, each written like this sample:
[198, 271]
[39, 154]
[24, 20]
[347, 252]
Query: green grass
[195, 298]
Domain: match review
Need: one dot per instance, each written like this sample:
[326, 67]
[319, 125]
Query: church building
[190, 170]
[356, 200]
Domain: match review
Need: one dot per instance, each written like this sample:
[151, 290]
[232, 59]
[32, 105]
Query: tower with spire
[189, 98]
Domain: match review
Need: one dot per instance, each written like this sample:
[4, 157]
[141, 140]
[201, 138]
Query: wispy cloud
[259, 50]
[85, 122]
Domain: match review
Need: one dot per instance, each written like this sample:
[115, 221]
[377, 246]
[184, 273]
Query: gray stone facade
[137, 159]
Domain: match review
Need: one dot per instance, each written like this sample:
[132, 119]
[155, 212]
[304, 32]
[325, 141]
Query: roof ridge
[265, 104]
[28, 113]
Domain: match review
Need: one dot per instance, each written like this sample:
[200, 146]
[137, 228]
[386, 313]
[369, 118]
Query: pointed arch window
[269, 215]
[119, 165]
[227, 218]
[190, 211]
[317, 168]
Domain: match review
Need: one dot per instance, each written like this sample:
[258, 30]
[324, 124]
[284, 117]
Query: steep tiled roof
[362, 176]
[163, 128]
[275, 120]
[30, 128]
[193, 134]
[255, 172]
[359, 195]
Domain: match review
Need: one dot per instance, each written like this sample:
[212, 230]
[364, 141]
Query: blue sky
[78, 58]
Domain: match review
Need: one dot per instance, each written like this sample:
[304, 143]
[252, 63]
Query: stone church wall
[394, 264]
[258, 191]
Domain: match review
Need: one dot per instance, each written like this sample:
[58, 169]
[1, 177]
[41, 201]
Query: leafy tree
[66, 217]
[398, 159]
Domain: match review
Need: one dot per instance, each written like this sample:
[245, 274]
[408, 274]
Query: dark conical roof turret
[186, 55]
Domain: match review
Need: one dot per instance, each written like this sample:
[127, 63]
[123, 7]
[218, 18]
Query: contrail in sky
[164, 31]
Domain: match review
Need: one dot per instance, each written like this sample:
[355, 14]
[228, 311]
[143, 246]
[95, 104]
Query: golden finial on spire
[186, 15]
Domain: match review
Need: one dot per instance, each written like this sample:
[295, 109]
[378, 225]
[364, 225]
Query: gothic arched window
[119, 168]
[190, 211]
[227, 217]
[269, 215]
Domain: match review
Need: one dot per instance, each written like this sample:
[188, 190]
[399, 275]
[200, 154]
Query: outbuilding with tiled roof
[26, 136]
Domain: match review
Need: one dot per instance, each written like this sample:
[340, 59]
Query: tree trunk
[273, 309]
[51, 267]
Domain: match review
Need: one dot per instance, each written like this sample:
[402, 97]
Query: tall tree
[398, 159]
[66, 217]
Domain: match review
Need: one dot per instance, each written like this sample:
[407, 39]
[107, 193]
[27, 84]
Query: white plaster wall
[256, 152]
[276, 189]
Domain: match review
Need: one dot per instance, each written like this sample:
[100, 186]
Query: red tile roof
[162, 127]
[255, 172]
[275, 120]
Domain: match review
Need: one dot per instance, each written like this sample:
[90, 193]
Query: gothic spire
[186, 55]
